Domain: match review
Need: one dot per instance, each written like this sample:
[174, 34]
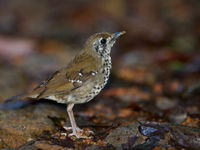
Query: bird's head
[101, 43]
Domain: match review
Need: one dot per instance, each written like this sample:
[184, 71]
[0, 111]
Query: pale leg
[73, 122]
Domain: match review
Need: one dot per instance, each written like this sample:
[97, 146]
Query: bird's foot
[89, 131]
[70, 128]
[78, 130]
[79, 136]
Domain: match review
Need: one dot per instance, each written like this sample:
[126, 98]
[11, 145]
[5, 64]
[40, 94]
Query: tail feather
[17, 101]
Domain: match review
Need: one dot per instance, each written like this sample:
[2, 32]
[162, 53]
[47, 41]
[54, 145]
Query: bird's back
[69, 82]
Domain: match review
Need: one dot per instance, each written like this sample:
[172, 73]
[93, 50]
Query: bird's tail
[17, 101]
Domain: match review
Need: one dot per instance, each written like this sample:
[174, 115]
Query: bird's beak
[116, 35]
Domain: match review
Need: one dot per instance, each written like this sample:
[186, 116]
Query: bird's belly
[90, 89]
[84, 93]
[87, 92]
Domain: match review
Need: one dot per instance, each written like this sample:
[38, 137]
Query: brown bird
[82, 79]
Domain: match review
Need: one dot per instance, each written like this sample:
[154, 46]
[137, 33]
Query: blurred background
[156, 64]
[37, 37]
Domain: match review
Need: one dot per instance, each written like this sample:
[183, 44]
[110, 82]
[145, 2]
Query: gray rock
[122, 136]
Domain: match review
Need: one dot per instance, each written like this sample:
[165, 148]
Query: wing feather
[69, 78]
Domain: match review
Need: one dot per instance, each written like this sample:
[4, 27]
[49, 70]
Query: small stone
[122, 135]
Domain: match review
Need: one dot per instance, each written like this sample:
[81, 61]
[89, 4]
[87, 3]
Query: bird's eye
[103, 41]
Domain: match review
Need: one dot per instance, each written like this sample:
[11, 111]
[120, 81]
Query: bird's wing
[67, 79]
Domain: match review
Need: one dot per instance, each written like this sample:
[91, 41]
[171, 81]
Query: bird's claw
[91, 132]
[78, 130]
[67, 128]
[70, 128]
[78, 136]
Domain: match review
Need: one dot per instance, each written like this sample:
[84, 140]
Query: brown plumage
[83, 78]
[60, 82]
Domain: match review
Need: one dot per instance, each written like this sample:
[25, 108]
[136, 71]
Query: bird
[82, 79]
